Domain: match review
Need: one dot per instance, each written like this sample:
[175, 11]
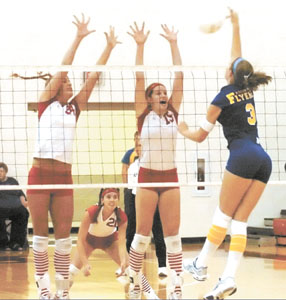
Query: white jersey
[133, 171]
[56, 130]
[158, 136]
[107, 227]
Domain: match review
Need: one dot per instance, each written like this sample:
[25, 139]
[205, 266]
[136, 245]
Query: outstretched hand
[170, 35]
[82, 30]
[111, 39]
[233, 16]
[138, 34]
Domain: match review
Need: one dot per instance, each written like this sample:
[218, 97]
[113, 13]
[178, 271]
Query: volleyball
[211, 27]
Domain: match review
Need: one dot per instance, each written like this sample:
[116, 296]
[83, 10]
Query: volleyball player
[58, 112]
[98, 230]
[247, 170]
[157, 124]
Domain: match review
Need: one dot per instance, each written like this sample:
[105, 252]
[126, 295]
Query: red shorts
[102, 243]
[148, 175]
[43, 176]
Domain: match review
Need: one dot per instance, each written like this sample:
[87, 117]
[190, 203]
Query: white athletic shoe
[118, 272]
[62, 287]
[135, 285]
[199, 274]
[162, 272]
[224, 288]
[177, 281]
[43, 283]
[150, 295]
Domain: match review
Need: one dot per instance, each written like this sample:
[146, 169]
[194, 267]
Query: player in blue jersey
[248, 167]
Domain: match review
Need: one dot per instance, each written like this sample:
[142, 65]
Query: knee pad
[40, 243]
[238, 236]
[173, 244]
[64, 246]
[140, 243]
[220, 219]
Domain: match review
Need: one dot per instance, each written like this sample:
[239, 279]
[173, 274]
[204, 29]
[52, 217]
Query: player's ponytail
[245, 77]
[47, 77]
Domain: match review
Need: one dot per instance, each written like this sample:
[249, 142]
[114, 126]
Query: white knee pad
[238, 227]
[140, 243]
[64, 246]
[40, 243]
[173, 244]
[220, 219]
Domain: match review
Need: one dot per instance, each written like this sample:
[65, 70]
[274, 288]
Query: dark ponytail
[47, 77]
[245, 77]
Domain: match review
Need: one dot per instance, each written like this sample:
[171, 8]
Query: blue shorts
[249, 160]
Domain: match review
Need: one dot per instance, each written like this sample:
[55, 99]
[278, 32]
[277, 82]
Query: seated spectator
[13, 206]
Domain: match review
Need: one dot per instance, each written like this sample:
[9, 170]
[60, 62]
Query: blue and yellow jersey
[238, 116]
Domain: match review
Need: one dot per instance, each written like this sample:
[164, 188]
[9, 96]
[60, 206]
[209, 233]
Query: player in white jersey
[104, 227]
[52, 164]
[157, 124]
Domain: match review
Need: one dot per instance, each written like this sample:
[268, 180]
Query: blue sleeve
[126, 157]
[220, 100]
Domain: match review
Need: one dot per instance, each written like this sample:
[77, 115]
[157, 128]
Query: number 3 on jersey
[250, 108]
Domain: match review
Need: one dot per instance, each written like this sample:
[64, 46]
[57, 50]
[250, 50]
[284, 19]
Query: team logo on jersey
[70, 109]
[169, 117]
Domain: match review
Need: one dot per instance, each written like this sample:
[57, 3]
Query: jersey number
[111, 222]
[252, 119]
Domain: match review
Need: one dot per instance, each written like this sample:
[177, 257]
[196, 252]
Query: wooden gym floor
[262, 274]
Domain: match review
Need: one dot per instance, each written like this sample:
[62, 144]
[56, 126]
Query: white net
[106, 128]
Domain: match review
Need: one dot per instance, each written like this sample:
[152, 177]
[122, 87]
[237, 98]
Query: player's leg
[61, 210]
[146, 202]
[169, 208]
[39, 206]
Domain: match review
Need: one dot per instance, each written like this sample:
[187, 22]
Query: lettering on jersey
[70, 109]
[111, 222]
[169, 117]
[239, 96]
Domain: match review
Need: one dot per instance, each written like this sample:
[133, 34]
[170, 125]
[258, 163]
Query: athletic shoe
[223, 289]
[177, 284]
[135, 285]
[150, 295]
[43, 284]
[118, 272]
[199, 274]
[162, 272]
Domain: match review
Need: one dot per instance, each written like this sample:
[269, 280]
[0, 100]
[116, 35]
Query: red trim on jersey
[141, 118]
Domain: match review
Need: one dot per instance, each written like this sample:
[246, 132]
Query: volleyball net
[105, 130]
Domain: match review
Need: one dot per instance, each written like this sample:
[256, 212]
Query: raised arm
[236, 43]
[140, 38]
[56, 81]
[84, 94]
[177, 93]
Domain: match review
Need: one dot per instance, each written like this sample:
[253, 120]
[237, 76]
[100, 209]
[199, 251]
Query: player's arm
[206, 126]
[93, 77]
[122, 246]
[56, 81]
[236, 42]
[140, 38]
[81, 243]
[177, 94]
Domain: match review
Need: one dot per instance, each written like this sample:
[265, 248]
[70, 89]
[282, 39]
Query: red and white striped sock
[62, 260]
[176, 263]
[41, 262]
[136, 261]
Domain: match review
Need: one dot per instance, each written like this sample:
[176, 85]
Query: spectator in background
[13, 206]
